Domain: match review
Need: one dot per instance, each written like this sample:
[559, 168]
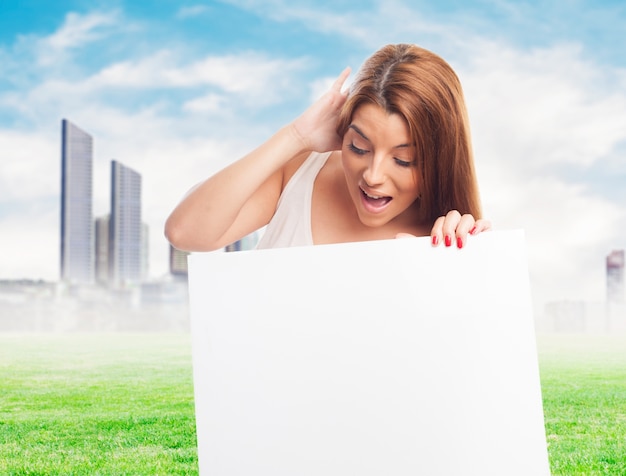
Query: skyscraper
[615, 277]
[145, 251]
[77, 240]
[125, 228]
[178, 262]
[102, 250]
[248, 242]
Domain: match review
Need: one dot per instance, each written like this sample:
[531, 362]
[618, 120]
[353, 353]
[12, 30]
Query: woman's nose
[374, 174]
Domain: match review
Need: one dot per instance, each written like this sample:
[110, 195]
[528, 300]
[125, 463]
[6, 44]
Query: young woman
[389, 158]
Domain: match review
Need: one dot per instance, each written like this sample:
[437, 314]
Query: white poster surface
[374, 358]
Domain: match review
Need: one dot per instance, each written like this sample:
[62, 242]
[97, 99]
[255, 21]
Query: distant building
[77, 238]
[178, 262]
[145, 251]
[246, 243]
[102, 250]
[566, 316]
[615, 298]
[615, 277]
[125, 227]
[574, 317]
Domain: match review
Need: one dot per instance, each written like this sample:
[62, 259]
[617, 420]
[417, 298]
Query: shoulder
[331, 171]
[294, 164]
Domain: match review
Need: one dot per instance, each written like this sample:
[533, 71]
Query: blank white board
[371, 358]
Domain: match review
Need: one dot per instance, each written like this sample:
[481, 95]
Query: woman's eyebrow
[360, 132]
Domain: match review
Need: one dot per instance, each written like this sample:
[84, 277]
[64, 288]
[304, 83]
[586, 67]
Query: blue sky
[176, 90]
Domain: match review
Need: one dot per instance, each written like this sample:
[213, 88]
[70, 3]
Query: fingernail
[472, 231]
[448, 240]
[459, 242]
[435, 240]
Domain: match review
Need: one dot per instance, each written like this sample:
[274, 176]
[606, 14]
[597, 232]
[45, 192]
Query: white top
[291, 223]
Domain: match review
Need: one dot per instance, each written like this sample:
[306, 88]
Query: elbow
[175, 234]
[180, 234]
[186, 236]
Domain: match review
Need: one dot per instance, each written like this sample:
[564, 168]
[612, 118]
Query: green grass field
[123, 404]
[583, 381]
[96, 404]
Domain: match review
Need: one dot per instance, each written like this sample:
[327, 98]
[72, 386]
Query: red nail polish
[435, 240]
[459, 242]
[448, 240]
[472, 231]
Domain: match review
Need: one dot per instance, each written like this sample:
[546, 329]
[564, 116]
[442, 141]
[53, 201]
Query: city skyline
[109, 250]
[180, 91]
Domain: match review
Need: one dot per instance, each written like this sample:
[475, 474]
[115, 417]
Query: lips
[374, 203]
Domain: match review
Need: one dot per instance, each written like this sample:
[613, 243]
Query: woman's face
[378, 157]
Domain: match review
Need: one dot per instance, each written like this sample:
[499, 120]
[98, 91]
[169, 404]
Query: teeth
[372, 196]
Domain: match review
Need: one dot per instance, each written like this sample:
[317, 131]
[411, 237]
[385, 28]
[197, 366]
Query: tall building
[77, 240]
[248, 242]
[125, 227]
[145, 251]
[102, 250]
[615, 277]
[178, 262]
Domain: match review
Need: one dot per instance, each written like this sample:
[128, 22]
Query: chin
[373, 222]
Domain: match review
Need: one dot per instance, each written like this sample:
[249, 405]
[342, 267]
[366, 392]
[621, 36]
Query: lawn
[118, 404]
[96, 404]
[583, 382]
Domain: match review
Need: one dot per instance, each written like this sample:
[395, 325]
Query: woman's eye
[402, 163]
[356, 150]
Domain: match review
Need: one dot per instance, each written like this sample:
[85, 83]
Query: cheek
[410, 190]
[350, 165]
[409, 183]
[415, 182]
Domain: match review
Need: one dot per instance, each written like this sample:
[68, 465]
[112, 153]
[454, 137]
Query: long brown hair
[421, 87]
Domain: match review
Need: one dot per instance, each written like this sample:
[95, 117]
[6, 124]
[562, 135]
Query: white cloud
[550, 106]
[371, 26]
[192, 11]
[210, 103]
[76, 32]
[30, 238]
[256, 80]
[30, 165]
[247, 73]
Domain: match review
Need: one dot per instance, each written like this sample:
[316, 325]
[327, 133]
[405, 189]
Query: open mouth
[374, 203]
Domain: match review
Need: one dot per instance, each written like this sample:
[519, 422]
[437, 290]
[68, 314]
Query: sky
[177, 90]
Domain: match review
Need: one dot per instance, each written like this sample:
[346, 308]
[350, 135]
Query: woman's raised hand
[316, 127]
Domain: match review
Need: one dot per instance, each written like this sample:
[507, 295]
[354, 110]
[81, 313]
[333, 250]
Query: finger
[450, 224]
[480, 226]
[466, 223]
[337, 85]
[436, 234]
[404, 235]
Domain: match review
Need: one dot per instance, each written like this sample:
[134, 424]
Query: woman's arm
[243, 197]
[235, 201]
